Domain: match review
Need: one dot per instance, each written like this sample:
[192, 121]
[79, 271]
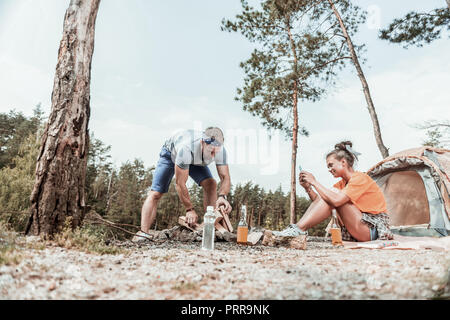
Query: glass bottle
[208, 229]
[242, 230]
[335, 230]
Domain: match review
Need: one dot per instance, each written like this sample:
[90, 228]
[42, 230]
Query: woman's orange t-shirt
[364, 193]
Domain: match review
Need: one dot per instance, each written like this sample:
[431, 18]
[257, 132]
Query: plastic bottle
[335, 230]
[208, 229]
[242, 230]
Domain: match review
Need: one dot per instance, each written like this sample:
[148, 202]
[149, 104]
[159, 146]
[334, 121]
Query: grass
[188, 286]
[88, 239]
[9, 254]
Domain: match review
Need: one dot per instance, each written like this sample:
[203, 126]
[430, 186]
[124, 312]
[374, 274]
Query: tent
[416, 184]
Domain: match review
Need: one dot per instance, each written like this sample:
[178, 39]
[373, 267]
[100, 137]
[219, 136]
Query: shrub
[89, 239]
[8, 253]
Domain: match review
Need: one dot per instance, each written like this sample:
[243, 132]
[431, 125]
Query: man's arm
[225, 186]
[225, 181]
[181, 177]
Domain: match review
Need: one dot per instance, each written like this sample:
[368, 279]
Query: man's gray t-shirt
[185, 148]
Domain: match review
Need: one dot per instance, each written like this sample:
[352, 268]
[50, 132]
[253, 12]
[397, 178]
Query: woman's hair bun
[341, 145]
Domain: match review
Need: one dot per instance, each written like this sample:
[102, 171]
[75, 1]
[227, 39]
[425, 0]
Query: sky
[160, 66]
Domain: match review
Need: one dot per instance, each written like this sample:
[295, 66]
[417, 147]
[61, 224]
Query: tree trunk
[294, 158]
[376, 126]
[58, 191]
[448, 3]
[295, 127]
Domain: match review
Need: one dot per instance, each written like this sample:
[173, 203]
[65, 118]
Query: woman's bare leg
[351, 217]
[348, 214]
[318, 211]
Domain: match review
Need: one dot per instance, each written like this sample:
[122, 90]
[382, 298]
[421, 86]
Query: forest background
[409, 86]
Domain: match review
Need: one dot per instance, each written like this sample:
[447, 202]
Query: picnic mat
[403, 243]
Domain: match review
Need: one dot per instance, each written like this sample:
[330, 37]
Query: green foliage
[128, 192]
[437, 134]
[417, 28]
[99, 175]
[16, 184]
[170, 207]
[434, 137]
[19, 147]
[87, 239]
[8, 251]
[117, 194]
[15, 127]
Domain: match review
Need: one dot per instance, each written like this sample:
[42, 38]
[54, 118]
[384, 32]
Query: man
[188, 153]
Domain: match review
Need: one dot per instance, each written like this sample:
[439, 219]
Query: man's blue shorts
[165, 170]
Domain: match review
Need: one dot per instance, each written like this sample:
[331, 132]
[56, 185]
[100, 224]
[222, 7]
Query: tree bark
[294, 129]
[58, 191]
[370, 106]
[294, 157]
[448, 3]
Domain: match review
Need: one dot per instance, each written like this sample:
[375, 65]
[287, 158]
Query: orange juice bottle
[242, 230]
[335, 230]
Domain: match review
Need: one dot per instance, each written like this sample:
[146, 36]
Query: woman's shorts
[165, 170]
[378, 225]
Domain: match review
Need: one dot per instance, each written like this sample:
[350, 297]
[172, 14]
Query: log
[182, 221]
[220, 223]
[219, 217]
[229, 236]
[227, 221]
[254, 237]
[271, 240]
[220, 228]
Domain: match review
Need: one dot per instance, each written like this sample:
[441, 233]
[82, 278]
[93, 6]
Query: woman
[359, 202]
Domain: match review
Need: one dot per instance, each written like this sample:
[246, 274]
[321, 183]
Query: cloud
[23, 86]
[415, 91]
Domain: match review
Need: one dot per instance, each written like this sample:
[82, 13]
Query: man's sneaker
[141, 236]
[292, 230]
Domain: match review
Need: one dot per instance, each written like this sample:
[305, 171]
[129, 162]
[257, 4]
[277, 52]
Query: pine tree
[346, 25]
[298, 50]
[16, 183]
[59, 189]
[418, 28]
[15, 128]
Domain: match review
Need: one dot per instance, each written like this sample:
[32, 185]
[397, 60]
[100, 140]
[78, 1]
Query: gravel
[179, 270]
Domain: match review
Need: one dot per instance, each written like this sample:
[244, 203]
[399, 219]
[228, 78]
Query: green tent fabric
[416, 186]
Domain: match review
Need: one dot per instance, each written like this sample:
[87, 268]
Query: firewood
[254, 237]
[219, 227]
[182, 221]
[219, 216]
[226, 219]
[272, 240]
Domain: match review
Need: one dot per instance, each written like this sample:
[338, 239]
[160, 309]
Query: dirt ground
[177, 270]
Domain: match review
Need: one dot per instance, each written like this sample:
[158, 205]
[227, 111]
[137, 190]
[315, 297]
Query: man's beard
[207, 156]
